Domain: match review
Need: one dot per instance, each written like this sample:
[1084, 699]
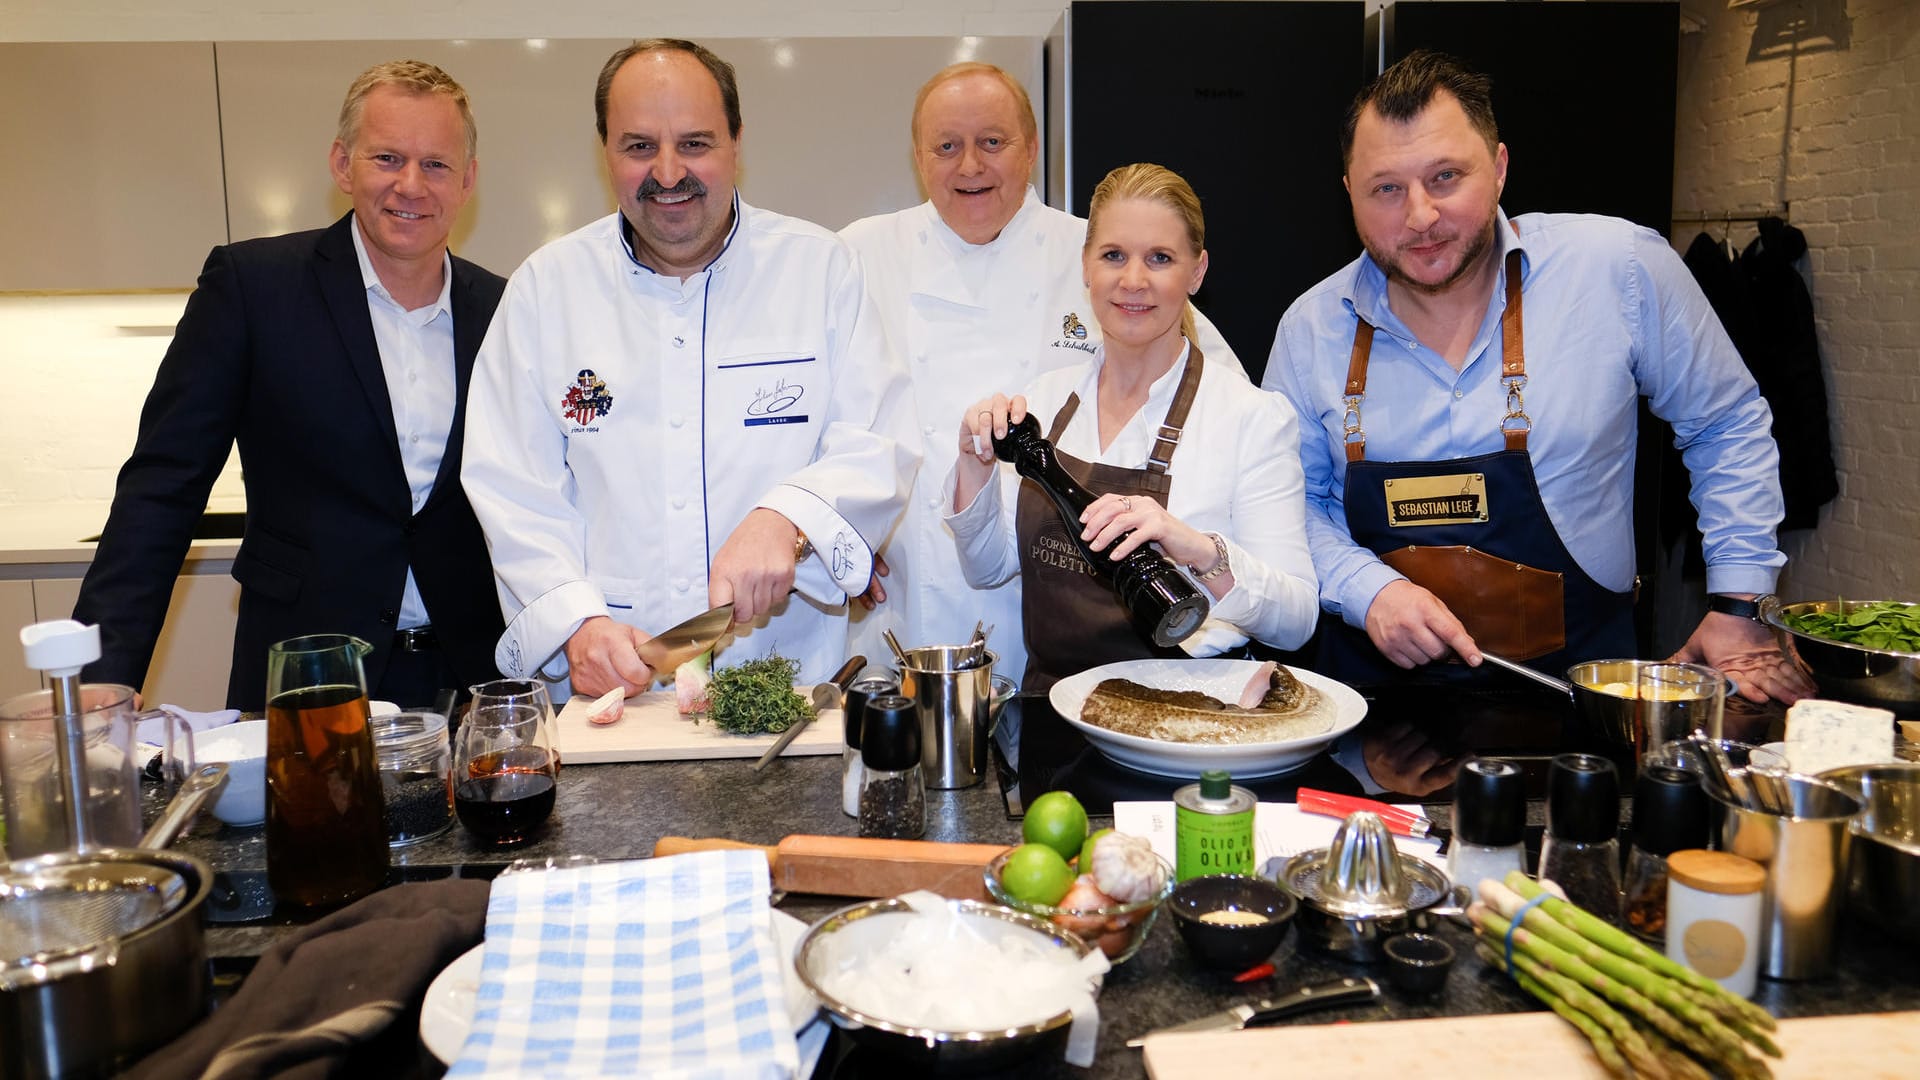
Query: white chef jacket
[621, 424]
[1235, 472]
[971, 320]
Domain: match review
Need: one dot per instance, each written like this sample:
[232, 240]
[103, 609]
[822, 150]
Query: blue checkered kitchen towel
[663, 968]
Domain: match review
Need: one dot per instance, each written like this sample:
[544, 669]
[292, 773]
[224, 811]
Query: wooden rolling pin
[855, 866]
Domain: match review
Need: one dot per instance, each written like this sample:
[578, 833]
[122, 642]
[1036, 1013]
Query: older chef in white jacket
[686, 403]
[980, 287]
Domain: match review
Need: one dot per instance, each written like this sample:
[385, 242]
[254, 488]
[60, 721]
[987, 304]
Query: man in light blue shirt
[1469, 473]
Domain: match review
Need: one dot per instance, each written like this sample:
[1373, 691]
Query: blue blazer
[276, 352]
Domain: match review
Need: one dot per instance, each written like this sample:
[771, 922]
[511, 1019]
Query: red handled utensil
[1399, 820]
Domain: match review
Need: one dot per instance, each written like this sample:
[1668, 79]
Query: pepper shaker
[1669, 815]
[1582, 849]
[893, 795]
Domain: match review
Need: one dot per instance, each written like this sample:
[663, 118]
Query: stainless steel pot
[1884, 866]
[102, 953]
[1624, 719]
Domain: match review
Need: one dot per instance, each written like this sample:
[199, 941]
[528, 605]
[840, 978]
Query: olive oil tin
[1213, 827]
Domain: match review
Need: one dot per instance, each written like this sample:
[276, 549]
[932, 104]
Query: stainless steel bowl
[1877, 677]
[1884, 867]
[932, 1048]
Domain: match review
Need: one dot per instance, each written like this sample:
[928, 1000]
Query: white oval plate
[447, 1012]
[1223, 679]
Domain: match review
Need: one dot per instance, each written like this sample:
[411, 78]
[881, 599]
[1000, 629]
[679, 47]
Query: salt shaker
[1489, 822]
[893, 795]
[853, 714]
[1669, 814]
[1581, 852]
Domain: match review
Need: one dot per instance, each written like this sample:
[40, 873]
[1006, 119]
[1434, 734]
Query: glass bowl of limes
[1020, 877]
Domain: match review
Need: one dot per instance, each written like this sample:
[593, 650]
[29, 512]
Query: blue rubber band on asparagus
[1515, 924]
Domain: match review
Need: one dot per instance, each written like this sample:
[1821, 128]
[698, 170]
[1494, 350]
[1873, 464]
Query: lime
[1085, 865]
[1057, 820]
[1036, 874]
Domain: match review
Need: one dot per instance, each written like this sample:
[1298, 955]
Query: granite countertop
[618, 811]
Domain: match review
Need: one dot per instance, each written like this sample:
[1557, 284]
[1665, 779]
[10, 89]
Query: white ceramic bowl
[243, 747]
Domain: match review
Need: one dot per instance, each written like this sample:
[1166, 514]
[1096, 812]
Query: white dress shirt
[1235, 472]
[416, 355]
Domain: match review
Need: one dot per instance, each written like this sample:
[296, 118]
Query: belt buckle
[415, 639]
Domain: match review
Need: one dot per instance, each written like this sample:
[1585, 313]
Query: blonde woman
[1183, 454]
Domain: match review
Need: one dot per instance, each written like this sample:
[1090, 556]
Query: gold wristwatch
[802, 547]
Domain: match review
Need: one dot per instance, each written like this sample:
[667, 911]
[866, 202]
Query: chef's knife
[670, 648]
[1349, 991]
[827, 695]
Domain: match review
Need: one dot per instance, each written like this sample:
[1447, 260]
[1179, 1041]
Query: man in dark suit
[338, 360]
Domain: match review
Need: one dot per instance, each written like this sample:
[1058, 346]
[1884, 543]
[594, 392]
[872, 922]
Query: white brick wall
[1835, 132]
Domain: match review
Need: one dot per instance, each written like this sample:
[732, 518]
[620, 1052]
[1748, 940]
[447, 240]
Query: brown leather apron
[1072, 619]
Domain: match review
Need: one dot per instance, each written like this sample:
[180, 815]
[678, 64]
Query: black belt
[418, 639]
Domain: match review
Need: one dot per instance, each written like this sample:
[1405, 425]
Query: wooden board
[1523, 1046]
[861, 866]
[652, 729]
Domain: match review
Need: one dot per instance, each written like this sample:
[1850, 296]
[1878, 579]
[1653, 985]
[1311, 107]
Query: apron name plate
[1436, 500]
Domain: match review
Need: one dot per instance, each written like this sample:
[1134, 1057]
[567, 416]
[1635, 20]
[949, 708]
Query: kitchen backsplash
[77, 370]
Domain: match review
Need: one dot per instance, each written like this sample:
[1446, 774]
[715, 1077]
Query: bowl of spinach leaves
[1863, 651]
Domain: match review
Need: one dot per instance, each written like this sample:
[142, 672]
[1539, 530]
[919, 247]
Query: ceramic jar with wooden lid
[1714, 902]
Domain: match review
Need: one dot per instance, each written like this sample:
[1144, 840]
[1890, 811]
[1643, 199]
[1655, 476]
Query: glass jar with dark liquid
[504, 765]
[326, 825]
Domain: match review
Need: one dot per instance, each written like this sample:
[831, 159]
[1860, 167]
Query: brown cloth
[338, 998]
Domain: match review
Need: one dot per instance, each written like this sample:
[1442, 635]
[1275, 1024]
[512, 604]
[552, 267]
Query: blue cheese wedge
[1824, 735]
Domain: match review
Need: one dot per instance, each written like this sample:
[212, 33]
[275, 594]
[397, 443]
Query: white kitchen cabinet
[16, 611]
[194, 656]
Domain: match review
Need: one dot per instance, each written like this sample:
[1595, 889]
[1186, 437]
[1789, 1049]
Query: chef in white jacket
[686, 403]
[980, 288]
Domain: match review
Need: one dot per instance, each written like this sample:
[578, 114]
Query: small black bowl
[1232, 946]
[1418, 963]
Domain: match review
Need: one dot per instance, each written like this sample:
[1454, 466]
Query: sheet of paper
[1278, 829]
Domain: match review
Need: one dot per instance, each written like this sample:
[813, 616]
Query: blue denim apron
[1489, 529]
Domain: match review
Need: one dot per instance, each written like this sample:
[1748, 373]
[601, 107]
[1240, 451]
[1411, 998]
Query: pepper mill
[1165, 606]
[893, 796]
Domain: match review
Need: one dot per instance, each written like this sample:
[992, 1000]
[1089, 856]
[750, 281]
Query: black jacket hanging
[1784, 355]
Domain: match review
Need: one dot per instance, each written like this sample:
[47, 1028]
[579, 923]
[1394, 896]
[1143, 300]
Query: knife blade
[827, 695]
[676, 645]
[1348, 991]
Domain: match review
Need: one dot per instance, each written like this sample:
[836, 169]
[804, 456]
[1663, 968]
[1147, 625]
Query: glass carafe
[326, 825]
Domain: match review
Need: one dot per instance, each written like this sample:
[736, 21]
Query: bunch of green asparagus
[1644, 1014]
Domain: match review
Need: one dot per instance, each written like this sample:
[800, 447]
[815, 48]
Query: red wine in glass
[501, 800]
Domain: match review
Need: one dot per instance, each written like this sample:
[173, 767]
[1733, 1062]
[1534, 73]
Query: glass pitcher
[33, 790]
[326, 823]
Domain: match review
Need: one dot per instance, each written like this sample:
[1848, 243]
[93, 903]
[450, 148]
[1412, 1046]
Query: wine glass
[504, 763]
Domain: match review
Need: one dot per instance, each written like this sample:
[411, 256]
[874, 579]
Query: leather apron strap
[1071, 618]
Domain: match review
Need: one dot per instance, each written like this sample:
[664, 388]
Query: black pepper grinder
[1669, 815]
[854, 712]
[1165, 607]
[1581, 851]
[893, 796]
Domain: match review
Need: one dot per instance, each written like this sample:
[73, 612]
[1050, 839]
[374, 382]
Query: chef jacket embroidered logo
[587, 399]
[770, 404]
[1073, 334]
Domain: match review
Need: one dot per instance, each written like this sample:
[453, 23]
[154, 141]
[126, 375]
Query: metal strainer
[67, 913]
